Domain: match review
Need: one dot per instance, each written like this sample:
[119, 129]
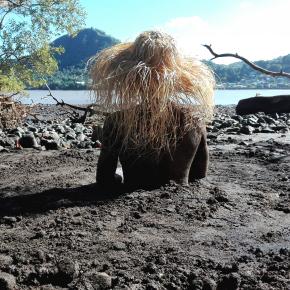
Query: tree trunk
[268, 105]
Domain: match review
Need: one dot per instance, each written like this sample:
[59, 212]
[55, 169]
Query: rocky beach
[228, 231]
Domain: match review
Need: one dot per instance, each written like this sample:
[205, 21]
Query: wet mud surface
[228, 231]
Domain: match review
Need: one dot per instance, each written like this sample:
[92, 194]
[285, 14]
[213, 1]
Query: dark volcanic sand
[229, 231]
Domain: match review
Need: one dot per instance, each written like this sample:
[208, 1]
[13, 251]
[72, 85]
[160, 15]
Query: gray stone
[9, 219]
[59, 129]
[81, 137]
[17, 130]
[67, 271]
[78, 128]
[274, 116]
[70, 135]
[228, 123]
[7, 281]
[50, 145]
[196, 284]
[248, 130]
[237, 118]
[32, 129]
[8, 142]
[233, 130]
[5, 260]
[281, 127]
[54, 136]
[28, 141]
[100, 280]
[253, 122]
[119, 246]
[209, 284]
[267, 130]
[269, 120]
[84, 145]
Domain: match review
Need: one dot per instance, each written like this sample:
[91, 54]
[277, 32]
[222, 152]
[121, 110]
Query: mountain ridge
[78, 49]
[89, 41]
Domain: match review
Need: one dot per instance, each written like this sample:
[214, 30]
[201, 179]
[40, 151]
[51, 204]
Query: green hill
[78, 49]
[89, 41]
[241, 75]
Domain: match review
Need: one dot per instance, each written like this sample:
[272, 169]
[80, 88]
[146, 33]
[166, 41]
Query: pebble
[28, 141]
[119, 246]
[67, 271]
[7, 281]
[100, 280]
[9, 219]
[209, 284]
[70, 136]
[50, 144]
[5, 260]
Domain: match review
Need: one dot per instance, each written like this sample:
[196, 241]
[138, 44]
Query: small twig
[14, 94]
[251, 64]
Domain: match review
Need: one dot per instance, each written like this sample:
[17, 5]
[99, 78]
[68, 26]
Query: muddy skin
[187, 162]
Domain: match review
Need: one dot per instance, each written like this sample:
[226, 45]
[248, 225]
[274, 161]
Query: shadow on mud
[56, 198]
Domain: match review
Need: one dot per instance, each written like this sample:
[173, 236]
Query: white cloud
[254, 30]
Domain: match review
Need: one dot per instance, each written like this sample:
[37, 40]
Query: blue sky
[257, 29]
[124, 18]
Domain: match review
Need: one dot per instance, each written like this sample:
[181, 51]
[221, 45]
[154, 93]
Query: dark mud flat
[230, 231]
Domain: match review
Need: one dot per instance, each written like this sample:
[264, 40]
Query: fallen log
[268, 105]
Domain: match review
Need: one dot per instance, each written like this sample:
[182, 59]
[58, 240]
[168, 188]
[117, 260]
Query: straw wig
[145, 80]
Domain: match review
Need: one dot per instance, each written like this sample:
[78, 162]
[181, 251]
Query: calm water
[222, 97]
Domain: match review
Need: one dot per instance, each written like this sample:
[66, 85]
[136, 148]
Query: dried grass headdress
[146, 80]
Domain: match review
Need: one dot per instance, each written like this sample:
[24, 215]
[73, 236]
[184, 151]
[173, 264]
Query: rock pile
[48, 135]
[249, 124]
[56, 133]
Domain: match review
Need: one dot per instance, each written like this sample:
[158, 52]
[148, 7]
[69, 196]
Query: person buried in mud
[159, 103]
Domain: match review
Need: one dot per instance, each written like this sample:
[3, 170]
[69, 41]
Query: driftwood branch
[251, 64]
[63, 104]
[76, 118]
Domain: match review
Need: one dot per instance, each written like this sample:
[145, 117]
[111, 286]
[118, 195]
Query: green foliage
[26, 30]
[69, 79]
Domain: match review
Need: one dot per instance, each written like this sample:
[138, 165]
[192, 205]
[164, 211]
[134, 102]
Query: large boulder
[268, 105]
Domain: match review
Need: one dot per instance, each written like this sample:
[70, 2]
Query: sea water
[222, 97]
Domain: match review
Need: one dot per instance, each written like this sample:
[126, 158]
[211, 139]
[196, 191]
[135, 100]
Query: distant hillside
[240, 73]
[89, 41]
[80, 48]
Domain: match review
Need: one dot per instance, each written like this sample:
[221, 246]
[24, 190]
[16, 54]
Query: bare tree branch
[4, 16]
[14, 94]
[62, 103]
[87, 110]
[251, 64]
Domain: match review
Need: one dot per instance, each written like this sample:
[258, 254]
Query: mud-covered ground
[229, 231]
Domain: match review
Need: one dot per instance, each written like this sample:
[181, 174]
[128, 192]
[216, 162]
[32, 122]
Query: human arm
[199, 165]
[108, 159]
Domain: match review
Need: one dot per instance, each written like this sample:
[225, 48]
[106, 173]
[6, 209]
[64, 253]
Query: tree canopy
[26, 29]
